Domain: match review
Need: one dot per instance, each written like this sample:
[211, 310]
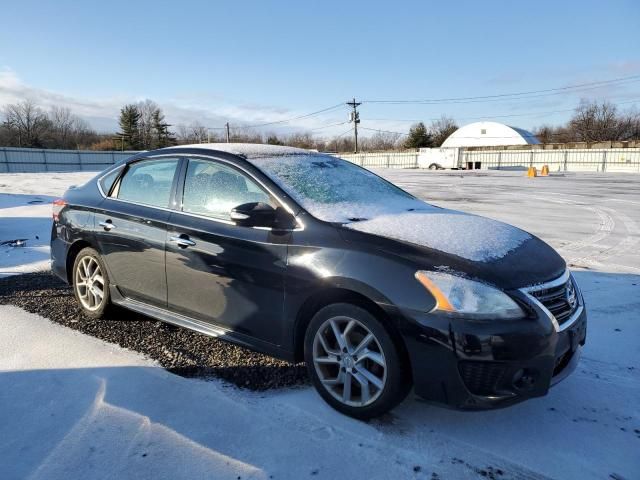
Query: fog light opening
[524, 379]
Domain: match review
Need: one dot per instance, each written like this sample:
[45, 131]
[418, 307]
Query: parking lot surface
[586, 427]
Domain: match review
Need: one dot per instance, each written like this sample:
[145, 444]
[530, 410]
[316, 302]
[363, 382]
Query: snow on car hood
[468, 236]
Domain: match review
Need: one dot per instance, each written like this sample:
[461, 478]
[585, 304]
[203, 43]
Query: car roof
[247, 150]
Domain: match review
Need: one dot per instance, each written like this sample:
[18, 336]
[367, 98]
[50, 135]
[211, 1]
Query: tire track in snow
[605, 229]
[628, 242]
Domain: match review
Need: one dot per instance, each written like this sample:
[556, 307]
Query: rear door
[131, 228]
[218, 272]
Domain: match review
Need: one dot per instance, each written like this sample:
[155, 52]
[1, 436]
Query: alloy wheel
[349, 361]
[89, 283]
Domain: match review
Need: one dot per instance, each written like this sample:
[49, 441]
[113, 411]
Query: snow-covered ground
[72, 406]
[25, 213]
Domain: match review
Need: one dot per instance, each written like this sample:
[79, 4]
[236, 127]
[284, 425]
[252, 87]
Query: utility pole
[355, 118]
[226, 126]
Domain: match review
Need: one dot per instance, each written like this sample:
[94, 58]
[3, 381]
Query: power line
[532, 114]
[516, 95]
[342, 134]
[327, 126]
[277, 122]
[485, 98]
[383, 131]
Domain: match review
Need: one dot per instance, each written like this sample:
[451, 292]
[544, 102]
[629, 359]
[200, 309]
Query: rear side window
[108, 180]
[148, 182]
[213, 189]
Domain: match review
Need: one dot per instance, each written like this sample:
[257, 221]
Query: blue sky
[256, 61]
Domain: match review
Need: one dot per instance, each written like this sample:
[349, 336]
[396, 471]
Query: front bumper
[472, 365]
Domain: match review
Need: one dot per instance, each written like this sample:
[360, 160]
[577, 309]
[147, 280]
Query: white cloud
[103, 113]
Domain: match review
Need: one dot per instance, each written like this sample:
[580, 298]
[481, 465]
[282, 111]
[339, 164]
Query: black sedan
[305, 256]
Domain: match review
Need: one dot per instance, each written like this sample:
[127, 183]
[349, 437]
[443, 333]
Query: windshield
[335, 190]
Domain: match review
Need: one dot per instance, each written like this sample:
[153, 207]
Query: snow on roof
[486, 134]
[468, 236]
[249, 150]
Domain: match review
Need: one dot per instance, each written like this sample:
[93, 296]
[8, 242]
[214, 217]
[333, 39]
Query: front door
[131, 228]
[218, 272]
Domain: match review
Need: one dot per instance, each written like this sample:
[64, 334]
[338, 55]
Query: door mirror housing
[259, 214]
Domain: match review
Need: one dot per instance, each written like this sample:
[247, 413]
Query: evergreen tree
[274, 140]
[419, 137]
[130, 127]
[162, 136]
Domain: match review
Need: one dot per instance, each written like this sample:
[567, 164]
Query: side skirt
[202, 327]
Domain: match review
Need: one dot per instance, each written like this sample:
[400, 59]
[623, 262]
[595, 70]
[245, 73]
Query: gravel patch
[179, 350]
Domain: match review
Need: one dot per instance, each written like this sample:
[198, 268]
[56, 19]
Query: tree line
[594, 122]
[142, 126]
[25, 124]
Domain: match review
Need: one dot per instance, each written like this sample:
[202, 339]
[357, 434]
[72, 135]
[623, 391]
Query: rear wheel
[353, 362]
[91, 283]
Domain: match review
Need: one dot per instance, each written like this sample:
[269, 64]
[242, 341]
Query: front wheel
[353, 361]
[91, 283]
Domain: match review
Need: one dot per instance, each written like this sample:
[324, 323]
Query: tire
[84, 267]
[435, 166]
[328, 365]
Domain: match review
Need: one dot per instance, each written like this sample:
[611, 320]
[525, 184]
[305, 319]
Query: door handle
[182, 241]
[107, 225]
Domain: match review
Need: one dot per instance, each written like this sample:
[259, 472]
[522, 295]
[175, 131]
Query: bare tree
[26, 123]
[245, 135]
[147, 109]
[62, 124]
[441, 129]
[69, 130]
[381, 141]
[629, 125]
[195, 132]
[594, 122]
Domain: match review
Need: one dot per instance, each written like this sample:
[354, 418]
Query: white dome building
[489, 134]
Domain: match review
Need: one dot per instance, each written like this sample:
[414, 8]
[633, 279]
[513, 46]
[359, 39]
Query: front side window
[213, 189]
[148, 182]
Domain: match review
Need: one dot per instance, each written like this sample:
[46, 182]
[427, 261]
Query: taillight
[58, 205]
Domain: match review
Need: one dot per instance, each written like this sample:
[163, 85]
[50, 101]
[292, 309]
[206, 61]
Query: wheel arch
[72, 253]
[339, 294]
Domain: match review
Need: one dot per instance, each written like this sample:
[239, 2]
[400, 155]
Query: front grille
[560, 300]
[481, 378]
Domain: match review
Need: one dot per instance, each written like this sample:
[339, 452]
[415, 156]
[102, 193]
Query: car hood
[478, 247]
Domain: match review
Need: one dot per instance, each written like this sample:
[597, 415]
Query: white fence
[42, 160]
[382, 159]
[560, 160]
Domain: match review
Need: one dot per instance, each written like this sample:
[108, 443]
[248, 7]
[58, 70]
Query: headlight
[458, 295]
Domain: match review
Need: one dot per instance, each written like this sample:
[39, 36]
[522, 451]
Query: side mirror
[255, 214]
[258, 214]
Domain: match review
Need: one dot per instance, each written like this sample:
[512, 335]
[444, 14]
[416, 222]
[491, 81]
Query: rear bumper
[59, 250]
[467, 365]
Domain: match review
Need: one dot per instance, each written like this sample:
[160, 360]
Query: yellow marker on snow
[545, 171]
[532, 172]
